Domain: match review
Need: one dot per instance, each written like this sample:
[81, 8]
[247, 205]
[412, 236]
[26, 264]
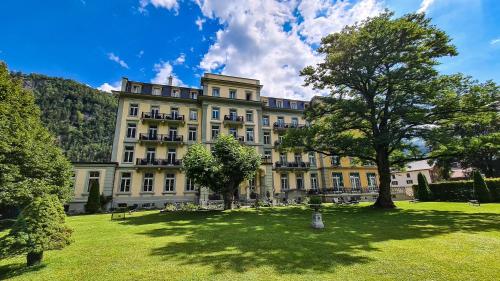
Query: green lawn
[424, 241]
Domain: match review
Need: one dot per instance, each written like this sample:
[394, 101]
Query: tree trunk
[34, 258]
[384, 199]
[228, 200]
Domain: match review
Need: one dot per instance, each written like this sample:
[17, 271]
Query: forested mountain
[82, 118]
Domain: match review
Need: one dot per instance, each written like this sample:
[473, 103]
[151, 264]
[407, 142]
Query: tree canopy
[223, 168]
[384, 93]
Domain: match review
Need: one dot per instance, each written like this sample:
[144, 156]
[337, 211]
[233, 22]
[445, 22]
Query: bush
[169, 207]
[93, 201]
[423, 191]
[189, 207]
[462, 191]
[481, 191]
[315, 200]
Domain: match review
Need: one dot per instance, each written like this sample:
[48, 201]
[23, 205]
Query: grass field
[424, 241]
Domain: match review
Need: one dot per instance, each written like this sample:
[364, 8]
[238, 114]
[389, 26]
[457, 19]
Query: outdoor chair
[474, 202]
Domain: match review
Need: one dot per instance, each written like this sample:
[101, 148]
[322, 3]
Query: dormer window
[156, 91]
[176, 93]
[136, 89]
[215, 92]
[279, 104]
[293, 105]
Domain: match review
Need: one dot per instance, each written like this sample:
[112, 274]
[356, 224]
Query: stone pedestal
[317, 221]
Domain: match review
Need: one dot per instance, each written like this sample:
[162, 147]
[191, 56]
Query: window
[176, 93]
[125, 182]
[215, 92]
[128, 155]
[215, 113]
[312, 158]
[249, 116]
[171, 156]
[174, 113]
[155, 111]
[279, 103]
[156, 91]
[215, 131]
[281, 121]
[147, 184]
[152, 132]
[314, 182]
[338, 181]
[283, 157]
[251, 184]
[394, 183]
[131, 129]
[409, 181]
[393, 176]
[190, 185]
[233, 132]
[133, 109]
[249, 95]
[250, 134]
[372, 179]
[194, 95]
[335, 160]
[136, 89]
[233, 114]
[150, 154]
[93, 179]
[295, 122]
[293, 105]
[267, 137]
[299, 181]
[284, 182]
[355, 181]
[265, 120]
[172, 132]
[407, 175]
[267, 154]
[232, 94]
[297, 157]
[193, 114]
[169, 183]
[192, 133]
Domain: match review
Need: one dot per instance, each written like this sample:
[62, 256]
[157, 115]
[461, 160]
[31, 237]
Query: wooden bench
[474, 203]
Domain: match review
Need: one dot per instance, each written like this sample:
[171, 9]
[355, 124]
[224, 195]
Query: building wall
[409, 178]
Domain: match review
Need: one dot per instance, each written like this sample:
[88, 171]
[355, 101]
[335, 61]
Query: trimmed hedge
[461, 191]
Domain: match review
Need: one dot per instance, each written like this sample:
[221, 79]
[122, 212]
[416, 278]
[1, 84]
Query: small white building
[408, 176]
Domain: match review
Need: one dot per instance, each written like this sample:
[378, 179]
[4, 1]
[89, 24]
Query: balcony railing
[233, 119]
[348, 190]
[162, 117]
[161, 138]
[158, 163]
[292, 165]
[266, 160]
[279, 126]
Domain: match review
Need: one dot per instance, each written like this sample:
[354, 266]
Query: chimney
[170, 78]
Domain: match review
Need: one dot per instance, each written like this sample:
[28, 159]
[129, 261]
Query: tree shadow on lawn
[15, 269]
[281, 238]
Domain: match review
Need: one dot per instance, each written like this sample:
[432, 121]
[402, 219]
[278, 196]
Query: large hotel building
[156, 124]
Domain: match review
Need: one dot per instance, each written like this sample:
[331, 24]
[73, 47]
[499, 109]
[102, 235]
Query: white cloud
[199, 22]
[140, 54]
[495, 41]
[166, 4]
[117, 59]
[106, 87]
[424, 6]
[163, 71]
[181, 59]
[255, 43]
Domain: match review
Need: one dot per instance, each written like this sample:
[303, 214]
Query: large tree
[223, 168]
[28, 152]
[385, 94]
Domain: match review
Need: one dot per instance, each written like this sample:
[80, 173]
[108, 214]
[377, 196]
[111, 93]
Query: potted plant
[317, 220]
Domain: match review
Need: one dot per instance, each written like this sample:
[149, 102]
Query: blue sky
[97, 42]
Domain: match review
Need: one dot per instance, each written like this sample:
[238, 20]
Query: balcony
[158, 163]
[233, 120]
[291, 165]
[266, 161]
[162, 118]
[280, 126]
[161, 138]
[349, 190]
